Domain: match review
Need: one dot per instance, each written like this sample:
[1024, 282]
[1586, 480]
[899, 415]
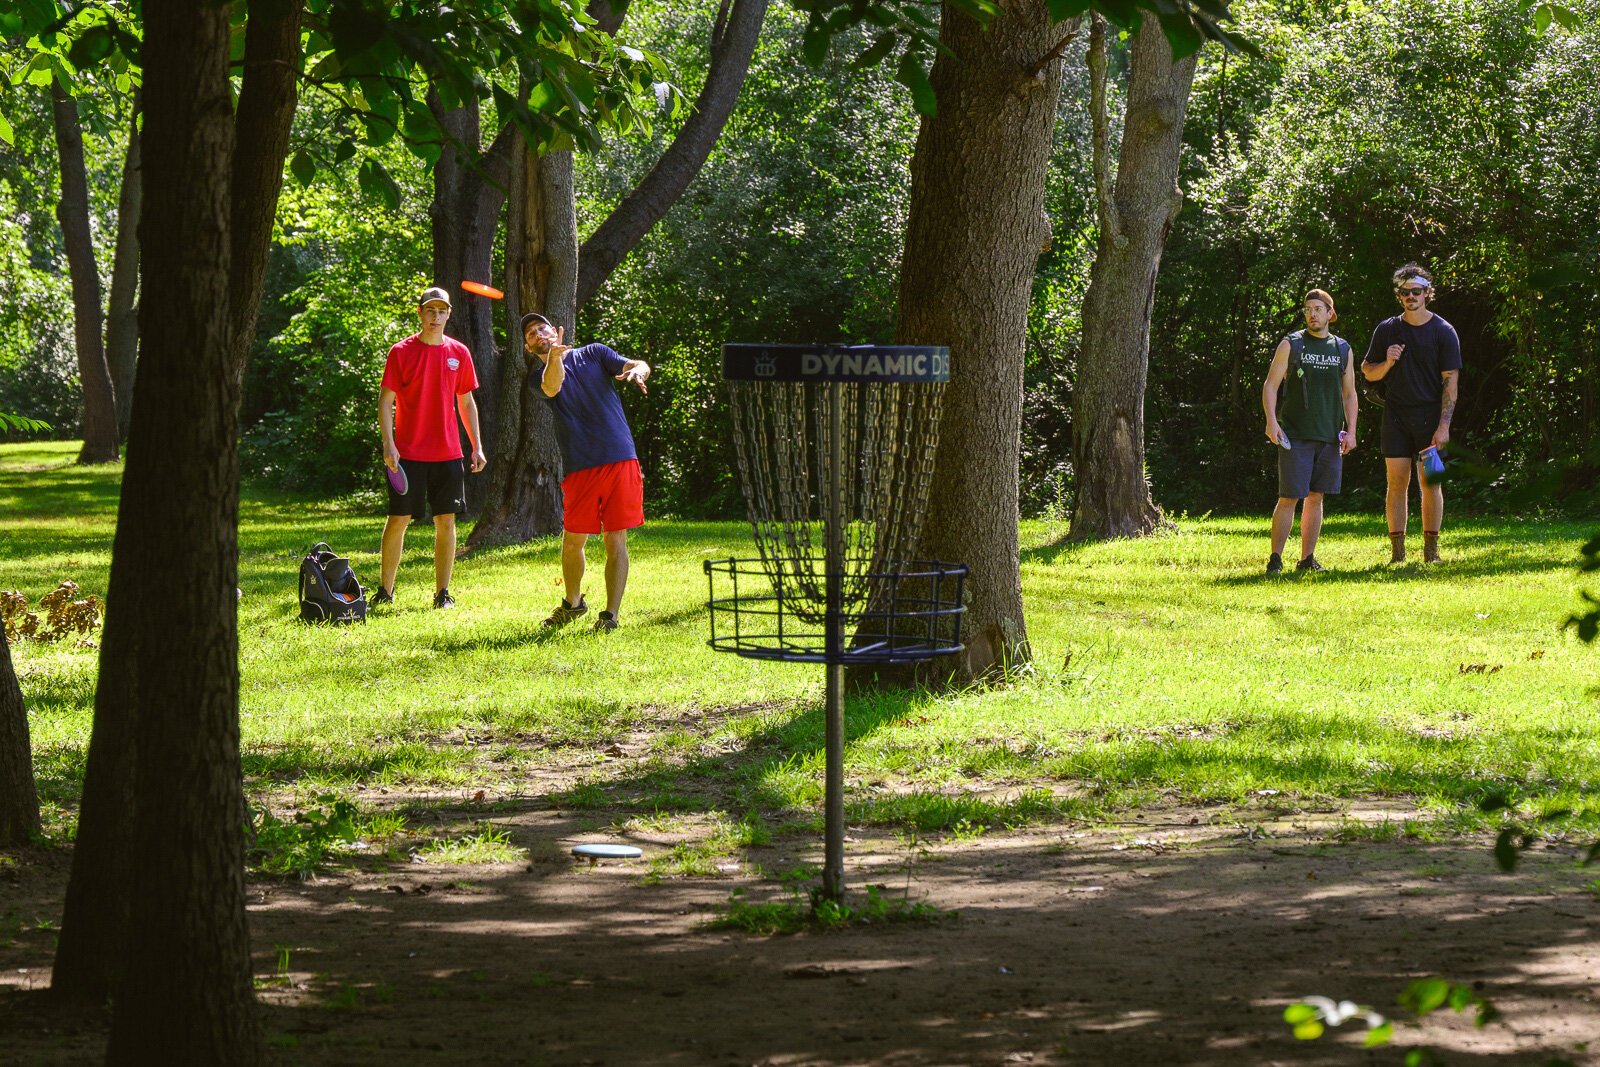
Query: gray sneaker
[605, 622]
[443, 599]
[565, 613]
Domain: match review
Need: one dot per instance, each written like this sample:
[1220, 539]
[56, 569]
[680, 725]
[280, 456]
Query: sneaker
[565, 613]
[1310, 564]
[382, 596]
[443, 599]
[605, 622]
[1274, 563]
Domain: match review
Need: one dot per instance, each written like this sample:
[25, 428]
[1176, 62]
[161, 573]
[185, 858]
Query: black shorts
[440, 488]
[1408, 430]
[1307, 467]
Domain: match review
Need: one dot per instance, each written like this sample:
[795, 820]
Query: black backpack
[329, 591]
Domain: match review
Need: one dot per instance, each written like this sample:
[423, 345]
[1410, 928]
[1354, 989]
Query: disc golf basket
[835, 449]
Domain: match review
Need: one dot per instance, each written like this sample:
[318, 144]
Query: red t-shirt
[426, 379]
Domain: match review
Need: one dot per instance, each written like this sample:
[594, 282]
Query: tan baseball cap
[433, 295]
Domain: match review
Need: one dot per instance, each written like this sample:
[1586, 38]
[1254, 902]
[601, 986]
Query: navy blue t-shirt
[590, 424]
[1431, 349]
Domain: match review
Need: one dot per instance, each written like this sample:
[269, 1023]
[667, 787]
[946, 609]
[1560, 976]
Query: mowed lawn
[1167, 669]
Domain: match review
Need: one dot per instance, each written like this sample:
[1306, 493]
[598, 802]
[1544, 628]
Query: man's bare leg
[616, 569]
[1282, 523]
[444, 550]
[394, 539]
[572, 564]
[1432, 494]
[1310, 525]
[1397, 503]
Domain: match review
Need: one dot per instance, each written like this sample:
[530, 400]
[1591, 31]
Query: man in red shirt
[427, 380]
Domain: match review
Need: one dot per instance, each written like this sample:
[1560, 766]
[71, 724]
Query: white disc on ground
[607, 852]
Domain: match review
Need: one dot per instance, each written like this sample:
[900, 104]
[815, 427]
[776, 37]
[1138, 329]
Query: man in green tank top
[1313, 423]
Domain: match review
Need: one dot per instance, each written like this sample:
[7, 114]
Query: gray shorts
[1308, 467]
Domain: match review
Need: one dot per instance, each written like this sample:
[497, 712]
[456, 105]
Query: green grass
[1164, 669]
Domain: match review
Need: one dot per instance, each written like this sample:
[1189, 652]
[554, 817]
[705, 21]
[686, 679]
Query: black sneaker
[1310, 564]
[605, 622]
[443, 599]
[382, 596]
[1274, 563]
[565, 613]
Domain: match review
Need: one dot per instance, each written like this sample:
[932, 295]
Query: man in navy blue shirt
[1418, 356]
[602, 490]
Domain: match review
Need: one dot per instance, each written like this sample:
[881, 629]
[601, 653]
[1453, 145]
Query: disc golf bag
[329, 591]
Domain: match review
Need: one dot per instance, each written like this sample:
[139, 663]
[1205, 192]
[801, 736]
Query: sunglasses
[1411, 292]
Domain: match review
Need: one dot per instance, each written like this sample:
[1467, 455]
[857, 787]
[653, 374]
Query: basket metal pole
[833, 805]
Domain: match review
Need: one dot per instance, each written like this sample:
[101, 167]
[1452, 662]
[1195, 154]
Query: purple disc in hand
[397, 479]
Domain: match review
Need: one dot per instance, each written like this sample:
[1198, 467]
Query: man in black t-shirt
[1418, 356]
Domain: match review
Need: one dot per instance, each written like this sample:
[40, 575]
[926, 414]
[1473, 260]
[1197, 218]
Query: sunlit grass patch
[486, 844]
[873, 906]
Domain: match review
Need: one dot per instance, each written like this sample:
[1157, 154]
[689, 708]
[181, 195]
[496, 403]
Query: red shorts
[603, 498]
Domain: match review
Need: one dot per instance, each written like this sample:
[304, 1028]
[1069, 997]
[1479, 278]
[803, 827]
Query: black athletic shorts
[1408, 430]
[1307, 467]
[440, 488]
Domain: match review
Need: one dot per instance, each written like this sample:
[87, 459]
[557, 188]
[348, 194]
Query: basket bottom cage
[909, 614]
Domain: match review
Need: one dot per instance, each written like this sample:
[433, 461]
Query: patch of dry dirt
[1167, 941]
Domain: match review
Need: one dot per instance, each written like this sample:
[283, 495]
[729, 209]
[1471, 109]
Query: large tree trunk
[19, 799]
[122, 321]
[733, 42]
[974, 235]
[524, 498]
[99, 914]
[467, 197]
[171, 652]
[100, 436]
[1113, 494]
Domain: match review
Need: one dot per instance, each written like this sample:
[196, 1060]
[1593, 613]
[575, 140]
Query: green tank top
[1313, 392]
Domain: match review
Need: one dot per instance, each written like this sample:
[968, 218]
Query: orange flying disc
[483, 290]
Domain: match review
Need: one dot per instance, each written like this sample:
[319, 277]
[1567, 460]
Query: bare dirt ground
[1177, 939]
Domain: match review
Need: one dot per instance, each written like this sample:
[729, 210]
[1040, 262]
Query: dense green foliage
[1363, 135]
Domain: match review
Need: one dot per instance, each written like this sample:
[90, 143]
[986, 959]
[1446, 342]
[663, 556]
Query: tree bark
[100, 438]
[524, 497]
[733, 42]
[974, 234]
[1113, 495]
[467, 196]
[170, 661]
[268, 93]
[122, 322]
[19, 797]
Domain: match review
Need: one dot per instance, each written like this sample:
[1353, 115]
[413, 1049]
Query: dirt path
[1169, 941]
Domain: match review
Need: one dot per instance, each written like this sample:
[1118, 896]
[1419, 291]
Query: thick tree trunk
[524, 498]
[100, 436]
[974, 235]
[170, 661]
[733, 42]
[19, 798]
[122, 322]
[466, 211]
[1113, 495]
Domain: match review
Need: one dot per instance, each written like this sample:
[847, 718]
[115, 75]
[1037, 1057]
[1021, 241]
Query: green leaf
[913, 77]
[880, 47]
[1541, 18]
[377, 183]
[1061, 10]
[1425, 995]
[303, 167]
[6, 133]
[1299, 1012]
[93, 45]
[1182, 34]
[815, 44]
[1309, 1030]
[346, 151]
[1379, 1035]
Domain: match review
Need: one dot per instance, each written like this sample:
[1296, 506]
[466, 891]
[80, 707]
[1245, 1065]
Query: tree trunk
[170, 660]
[524, 497]
[1113, 495]
[268, 93]
[733, 42]
[122, 323]
[19, 798]
[975, 232]
[467, 196]
[99, 404]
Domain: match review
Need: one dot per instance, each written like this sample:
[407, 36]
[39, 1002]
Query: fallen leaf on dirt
[812, 970]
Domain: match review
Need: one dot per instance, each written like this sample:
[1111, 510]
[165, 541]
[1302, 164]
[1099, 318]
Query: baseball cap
[1322, 295]
[532, 317]
[432, 295]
